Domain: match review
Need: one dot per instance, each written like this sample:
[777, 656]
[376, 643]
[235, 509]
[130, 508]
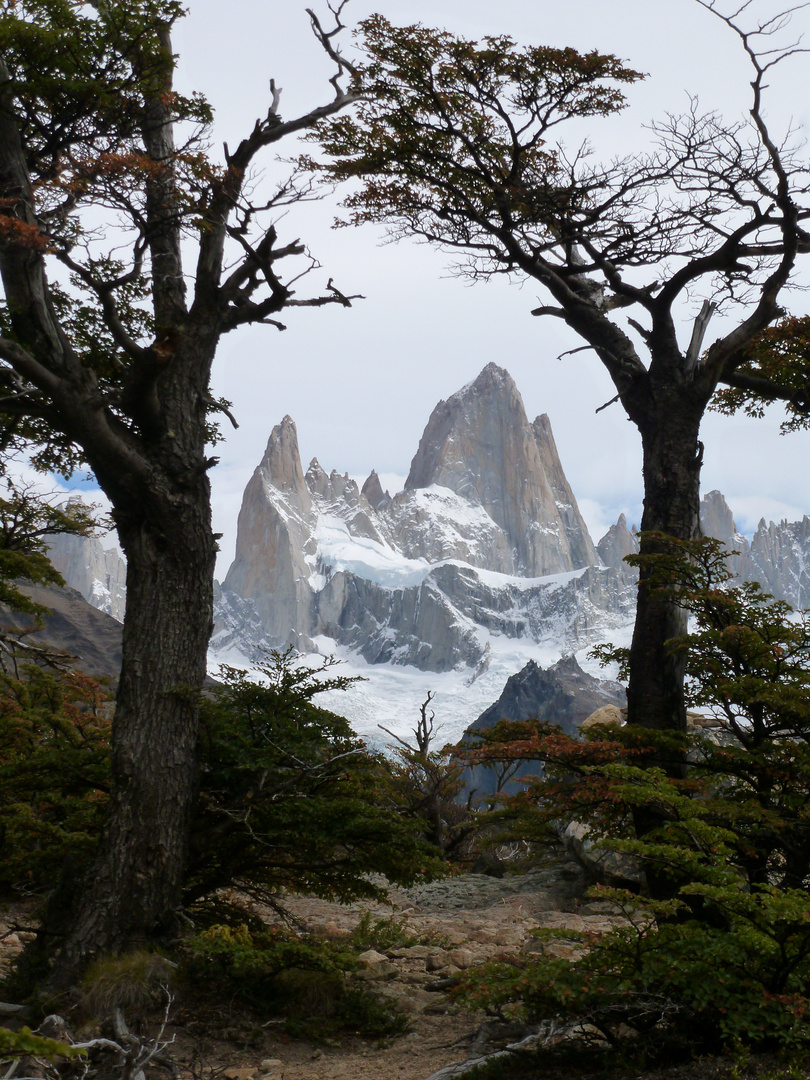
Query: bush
[54, 776]
[138, 981]
[291, 798]
[382, 934]
[17, 1044]
[303, 978]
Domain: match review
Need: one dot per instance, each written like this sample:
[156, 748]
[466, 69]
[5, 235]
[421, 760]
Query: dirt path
[465, 921]
[477, 919]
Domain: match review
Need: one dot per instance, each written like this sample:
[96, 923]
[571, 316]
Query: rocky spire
[716, 518]
[274, 537]
[373, 491]
[617, 542]
[480, 444]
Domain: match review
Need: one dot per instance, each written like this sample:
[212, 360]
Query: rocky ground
[462, 921]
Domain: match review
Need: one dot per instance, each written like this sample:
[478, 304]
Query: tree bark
[134, 888]
[672, 457]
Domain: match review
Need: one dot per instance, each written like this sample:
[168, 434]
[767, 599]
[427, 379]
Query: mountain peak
[716, 518]
[281, 463]
[490, 375]
[480, 444]
[373, 491]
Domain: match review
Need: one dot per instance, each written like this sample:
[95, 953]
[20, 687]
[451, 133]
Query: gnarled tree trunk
[672, 457]
[135, 885]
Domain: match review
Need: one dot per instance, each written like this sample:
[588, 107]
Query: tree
[100, 155]
[290, 797]
[453, 143]
[429, 786]
[725, 957]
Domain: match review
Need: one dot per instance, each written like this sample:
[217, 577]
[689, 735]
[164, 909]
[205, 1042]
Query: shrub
[54, 774]
[17, 1044]
[382, 934]
[136, 981]
[304, 978]
[291, 798]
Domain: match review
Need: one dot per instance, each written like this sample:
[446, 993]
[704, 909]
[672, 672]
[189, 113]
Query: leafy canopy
[26, 521]
[451, 137]
[289, 796]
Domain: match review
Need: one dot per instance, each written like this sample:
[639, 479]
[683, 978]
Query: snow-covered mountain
[481, 565]
[99, 573]
[485, 541]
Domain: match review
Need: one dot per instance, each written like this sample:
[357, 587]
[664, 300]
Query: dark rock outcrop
[563, 694]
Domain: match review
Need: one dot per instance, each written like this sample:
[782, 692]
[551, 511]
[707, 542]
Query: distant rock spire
[617, 543]
[372, 489]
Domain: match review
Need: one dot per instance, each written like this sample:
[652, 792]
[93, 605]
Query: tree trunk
[135, 885]
[672, 457]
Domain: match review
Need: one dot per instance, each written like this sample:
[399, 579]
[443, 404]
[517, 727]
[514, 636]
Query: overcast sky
[360, 383]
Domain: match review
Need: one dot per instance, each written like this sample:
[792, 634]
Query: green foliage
[79, 105]
[54, 775]
[427, 784]
[135, 981]
[681, 977]
[719, 816]
[250, 961]
[382, 934]
[17, 1044]
[775, 364]
[26, 520]
[303, 978]
[290, 797]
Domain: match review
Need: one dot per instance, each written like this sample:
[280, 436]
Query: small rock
[269, 1064]
[437, 959]
[461, 958]
[371, 957]
[331, 929]
[482, 937]
[410, 1000]
[246, 1073]
[413, 952]
[380, 971]
[562, 950]
[509, 936]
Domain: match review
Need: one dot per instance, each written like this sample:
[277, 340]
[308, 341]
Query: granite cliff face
[778, 555]
[99, 574]
[480, 445]
[486, 539]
